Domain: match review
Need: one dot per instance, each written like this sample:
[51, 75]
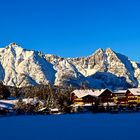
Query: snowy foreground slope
[71, 127]
[102, 69]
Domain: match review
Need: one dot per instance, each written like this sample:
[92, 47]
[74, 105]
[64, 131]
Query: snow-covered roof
[42, 109]
[83, 93]
[99, 92]
[54, 109]
[119, 91]
[13, 102]
[6, 106]
[135, 91]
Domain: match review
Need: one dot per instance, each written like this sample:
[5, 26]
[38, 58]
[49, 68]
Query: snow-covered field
[71, 127]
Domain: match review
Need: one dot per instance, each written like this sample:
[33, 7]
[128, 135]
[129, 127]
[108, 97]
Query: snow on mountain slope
[121, 66]
[102, 69]
[91, 64]
[67, 73]
[136, 67]
[21, 67]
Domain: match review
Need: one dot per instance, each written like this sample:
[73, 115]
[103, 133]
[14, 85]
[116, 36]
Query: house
[43, 110]
[82, 100]
[119, 93]
[5, 108]
[54, 111]
[119, 97]
[133, 96]
[83, 97]
[105, 99]
[104, 95]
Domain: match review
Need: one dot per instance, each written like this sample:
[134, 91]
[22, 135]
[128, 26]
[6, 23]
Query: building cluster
[80, 101]
[106, 98]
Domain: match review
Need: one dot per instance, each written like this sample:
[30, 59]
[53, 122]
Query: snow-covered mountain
[103, 69]
[20, 67]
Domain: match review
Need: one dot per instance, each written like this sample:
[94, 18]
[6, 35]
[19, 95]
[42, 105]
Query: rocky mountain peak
[14, 48]
[13, 44]
[98, 51]
[109, 50]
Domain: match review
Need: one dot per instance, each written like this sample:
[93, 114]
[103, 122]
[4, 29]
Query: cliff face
[103, 69]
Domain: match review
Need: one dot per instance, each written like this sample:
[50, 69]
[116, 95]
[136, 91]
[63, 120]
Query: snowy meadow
[71, 127]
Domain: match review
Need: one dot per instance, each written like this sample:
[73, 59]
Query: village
[80, 101]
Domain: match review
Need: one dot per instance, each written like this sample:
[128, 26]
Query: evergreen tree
[4, 92]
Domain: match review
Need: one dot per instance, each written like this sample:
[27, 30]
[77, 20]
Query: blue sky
[71, 28]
